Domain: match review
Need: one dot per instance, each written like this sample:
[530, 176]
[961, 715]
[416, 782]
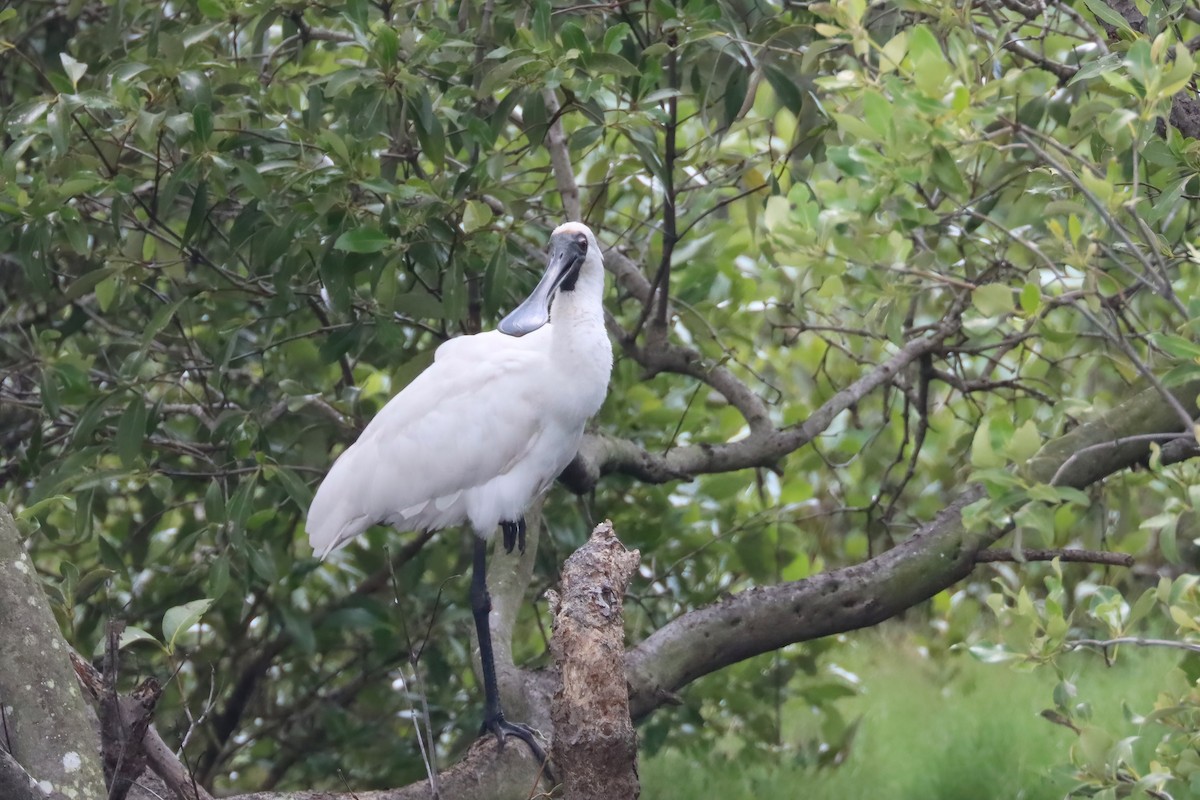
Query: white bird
[482, 432]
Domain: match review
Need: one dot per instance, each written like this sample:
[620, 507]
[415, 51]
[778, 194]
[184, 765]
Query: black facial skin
[568, 283]
[567, 254]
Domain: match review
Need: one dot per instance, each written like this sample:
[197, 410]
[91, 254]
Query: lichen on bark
[49, 733]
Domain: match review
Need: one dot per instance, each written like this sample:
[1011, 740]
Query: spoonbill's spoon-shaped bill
[482, 431]
[490, 423]
[567, 254]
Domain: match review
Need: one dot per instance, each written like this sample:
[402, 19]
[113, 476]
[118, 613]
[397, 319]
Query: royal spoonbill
[481, 432]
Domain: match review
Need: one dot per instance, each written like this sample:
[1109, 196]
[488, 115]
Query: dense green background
[229, 231]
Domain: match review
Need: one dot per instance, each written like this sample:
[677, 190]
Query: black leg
[514, 535]
[481, 605]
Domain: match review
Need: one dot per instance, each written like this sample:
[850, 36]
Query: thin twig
[1137, 641]
[1071, 555]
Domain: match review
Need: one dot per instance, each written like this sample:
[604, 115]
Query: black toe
[502, 729]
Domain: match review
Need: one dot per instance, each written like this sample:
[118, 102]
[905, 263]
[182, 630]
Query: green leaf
[179, 619]
[1096, 67]
[106, 292]
[87, 282]
[611, 64]
[992, 299]
[1024, 442]
[945, 172]
[982, 453]
[131, 635]
[196, 89]
[46, 504]
[202, 123]
[1178, 347]
[1168, 542]
[197, 215]
[1103, 12]
[299, 625]
[429, 131]
[1144, 605]
[92, 581]
[214, 502]
[131, 430]
[541, 20]
[74, 69]
[211, 9]
[993, 653]
[367, 239]
[877, 112]
[1031, 298]
[476, 215]
[614, 36]
[573, 37]
[387, 46]
[297, 489]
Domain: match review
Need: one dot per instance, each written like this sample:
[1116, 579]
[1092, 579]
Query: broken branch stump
[595, 749]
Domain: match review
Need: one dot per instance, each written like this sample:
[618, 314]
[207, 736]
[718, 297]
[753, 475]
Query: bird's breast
[580, 374]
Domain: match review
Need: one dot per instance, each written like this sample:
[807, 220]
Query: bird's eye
[581, 240]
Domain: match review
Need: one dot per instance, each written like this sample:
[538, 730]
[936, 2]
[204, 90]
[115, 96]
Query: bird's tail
[333, 519]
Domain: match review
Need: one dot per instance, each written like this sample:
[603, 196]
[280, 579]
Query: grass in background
[949, 728]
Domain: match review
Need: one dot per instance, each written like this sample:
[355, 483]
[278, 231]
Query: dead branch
[595, 749]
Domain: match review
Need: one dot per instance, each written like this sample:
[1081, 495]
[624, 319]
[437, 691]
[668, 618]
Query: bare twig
[1072, 555]
[1136, 641]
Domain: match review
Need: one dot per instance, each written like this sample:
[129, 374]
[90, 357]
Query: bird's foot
[501, 728]
[514, 535]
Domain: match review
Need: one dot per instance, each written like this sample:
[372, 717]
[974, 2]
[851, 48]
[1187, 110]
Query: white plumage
[489, 425]
[481, 432]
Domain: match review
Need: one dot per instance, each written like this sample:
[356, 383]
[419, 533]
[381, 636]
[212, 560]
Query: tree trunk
[595, 749]
[49, 749]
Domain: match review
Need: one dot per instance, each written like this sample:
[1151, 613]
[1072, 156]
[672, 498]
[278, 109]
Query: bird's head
[573, 249]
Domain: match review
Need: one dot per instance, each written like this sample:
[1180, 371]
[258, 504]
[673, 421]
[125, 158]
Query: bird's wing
[469, 417]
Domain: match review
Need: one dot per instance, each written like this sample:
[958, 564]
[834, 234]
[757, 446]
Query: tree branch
[15, 782]
[1133, 640]
[119, 724]
[1073, 555]
[560, 158]
[49, 733]
[600, 455]
[1146, 413]
[485, 773]
[595, 749]
[764, 619]
[940, 554]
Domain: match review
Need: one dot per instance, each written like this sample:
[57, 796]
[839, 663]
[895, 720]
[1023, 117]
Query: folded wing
[468, 419]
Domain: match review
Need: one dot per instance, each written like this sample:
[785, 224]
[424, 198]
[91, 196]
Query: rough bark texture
[486, 773]
[937, 556]
[1101, 447]
[129, 740]
[763, 619]
[595, 749]
[46, 719]
[695, 644]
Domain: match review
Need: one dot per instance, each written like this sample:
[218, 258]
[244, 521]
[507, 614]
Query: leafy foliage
[232, 231]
